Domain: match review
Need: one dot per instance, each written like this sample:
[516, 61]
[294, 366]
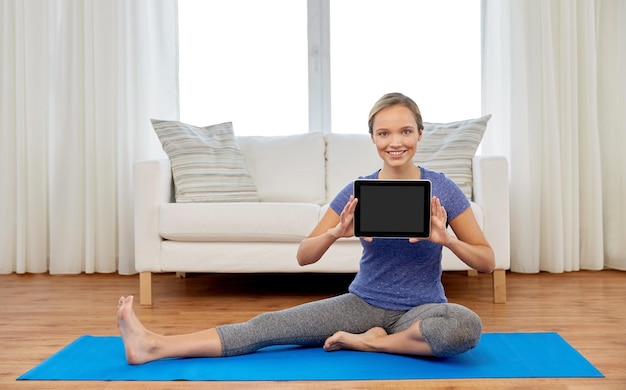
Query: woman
[396, 303]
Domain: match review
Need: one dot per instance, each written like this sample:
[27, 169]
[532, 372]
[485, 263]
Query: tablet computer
[392, 208]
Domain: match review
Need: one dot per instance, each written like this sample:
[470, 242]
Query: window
[426, 49]
[291, 66]
[244, 61]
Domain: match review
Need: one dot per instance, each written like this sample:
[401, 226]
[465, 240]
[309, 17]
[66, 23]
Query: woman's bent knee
[455, 330]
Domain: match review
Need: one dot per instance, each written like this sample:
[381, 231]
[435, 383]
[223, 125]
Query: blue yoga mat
[498, 355]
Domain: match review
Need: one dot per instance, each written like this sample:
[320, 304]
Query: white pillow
[450, 147]
[287, 168]
[207, 164]
[348, 156]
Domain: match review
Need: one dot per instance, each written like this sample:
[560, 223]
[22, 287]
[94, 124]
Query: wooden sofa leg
[499, 286]
[145, 288]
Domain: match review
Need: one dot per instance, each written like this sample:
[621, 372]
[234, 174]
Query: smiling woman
[396, 302]
[245, 48]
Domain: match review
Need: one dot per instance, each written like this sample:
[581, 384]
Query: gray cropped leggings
[448, 328]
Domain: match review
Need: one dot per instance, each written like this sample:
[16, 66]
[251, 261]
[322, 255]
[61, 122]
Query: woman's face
[395, 135]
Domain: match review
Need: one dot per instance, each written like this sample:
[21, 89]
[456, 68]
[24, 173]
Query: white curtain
[554, 78]
[79, 82]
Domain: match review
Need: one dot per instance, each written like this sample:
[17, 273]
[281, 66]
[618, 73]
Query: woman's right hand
[345, 227]
[328, 230]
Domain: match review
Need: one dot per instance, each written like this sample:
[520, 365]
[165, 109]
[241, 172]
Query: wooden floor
[40, 314]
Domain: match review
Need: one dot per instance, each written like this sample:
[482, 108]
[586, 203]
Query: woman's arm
[469, 245]
[329, 229]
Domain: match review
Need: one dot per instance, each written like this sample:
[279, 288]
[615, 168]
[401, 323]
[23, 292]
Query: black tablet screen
[392, 208]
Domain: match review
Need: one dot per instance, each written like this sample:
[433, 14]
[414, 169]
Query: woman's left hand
[438, 219]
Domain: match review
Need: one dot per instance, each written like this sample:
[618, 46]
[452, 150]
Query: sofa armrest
[153, 186]
[491, 192]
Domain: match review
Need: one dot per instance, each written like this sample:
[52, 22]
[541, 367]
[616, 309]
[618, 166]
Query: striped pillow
[207, 164]
[450, 147]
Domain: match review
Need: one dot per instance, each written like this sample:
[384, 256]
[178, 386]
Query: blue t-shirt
[394, 273]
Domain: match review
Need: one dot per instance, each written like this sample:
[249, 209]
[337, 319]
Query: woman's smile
[396, 153]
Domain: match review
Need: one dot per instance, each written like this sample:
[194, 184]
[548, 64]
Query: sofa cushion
[242, 221]
[287, 168]
[207, 164]
[449, 148]
[348, 156]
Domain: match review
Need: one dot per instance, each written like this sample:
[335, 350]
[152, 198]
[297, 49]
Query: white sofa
[295, 177]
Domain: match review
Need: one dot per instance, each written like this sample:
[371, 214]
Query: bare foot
[138, 341]
[356, 342]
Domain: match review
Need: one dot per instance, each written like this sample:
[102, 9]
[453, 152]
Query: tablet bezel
[421, 231]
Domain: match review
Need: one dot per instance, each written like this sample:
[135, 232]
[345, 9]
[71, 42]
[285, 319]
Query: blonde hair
[393, 99]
